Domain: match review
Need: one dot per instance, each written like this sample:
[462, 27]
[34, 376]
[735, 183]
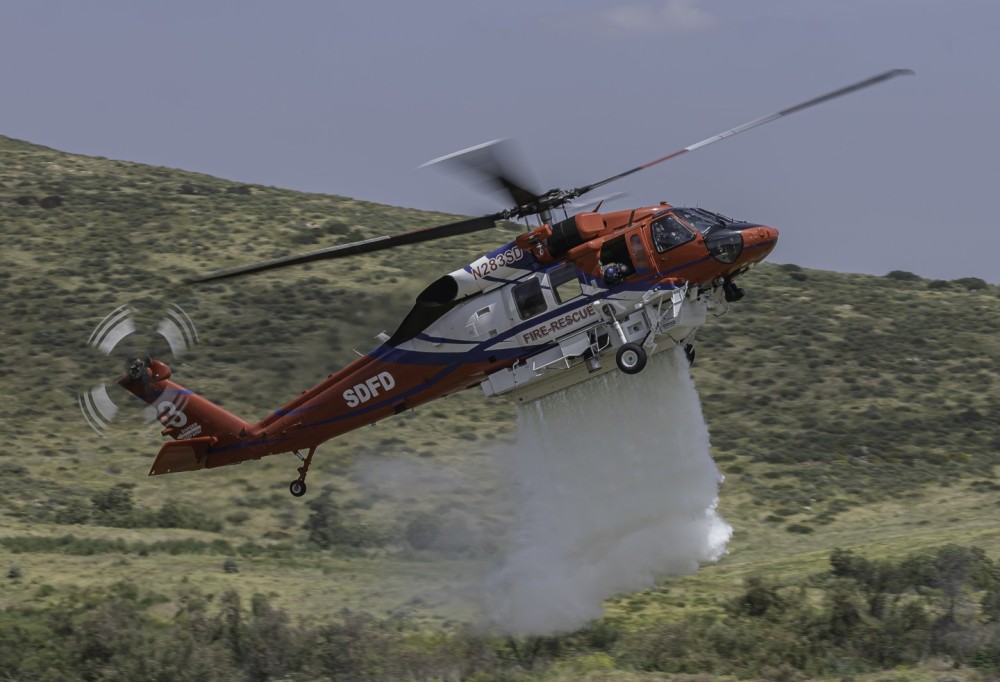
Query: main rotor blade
[499, 166]
[750, 124]
[355, 248]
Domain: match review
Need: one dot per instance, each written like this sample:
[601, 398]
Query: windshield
[669, 232]
[703, 221]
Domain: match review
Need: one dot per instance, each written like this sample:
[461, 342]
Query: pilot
[615, 273]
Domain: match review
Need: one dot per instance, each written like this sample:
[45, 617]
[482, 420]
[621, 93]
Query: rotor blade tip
[462, 151]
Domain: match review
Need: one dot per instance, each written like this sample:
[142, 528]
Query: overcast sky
[350, 97]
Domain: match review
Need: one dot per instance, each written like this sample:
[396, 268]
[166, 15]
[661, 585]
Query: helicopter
[565, 301]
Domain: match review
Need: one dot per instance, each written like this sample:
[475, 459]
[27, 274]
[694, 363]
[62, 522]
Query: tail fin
[194, 422]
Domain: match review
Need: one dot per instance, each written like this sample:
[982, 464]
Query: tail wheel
[298, 486]
[631, 358]
[689, 351]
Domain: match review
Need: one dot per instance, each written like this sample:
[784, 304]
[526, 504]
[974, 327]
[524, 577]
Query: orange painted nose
[763, 233]
[760, 241]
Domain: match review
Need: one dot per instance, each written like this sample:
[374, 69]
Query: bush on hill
[860, 616]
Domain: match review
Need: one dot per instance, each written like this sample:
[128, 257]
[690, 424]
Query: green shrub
[238, 518]
[422, 531]
[173, 515]
[73, 513]
[903, 276]
[327, 529]
[972, 283]
[114, 507]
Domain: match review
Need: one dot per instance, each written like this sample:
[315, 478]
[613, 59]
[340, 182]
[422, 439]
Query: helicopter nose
[760, 240]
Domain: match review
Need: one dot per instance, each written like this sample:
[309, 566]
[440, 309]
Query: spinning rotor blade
[498, 166]
[597, 200]
[355, 248]
[747, 126]
[493, 162]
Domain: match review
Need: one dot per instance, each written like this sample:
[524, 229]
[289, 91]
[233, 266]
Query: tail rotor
[124, 328]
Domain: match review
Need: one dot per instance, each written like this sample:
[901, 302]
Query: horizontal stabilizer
[182, 455]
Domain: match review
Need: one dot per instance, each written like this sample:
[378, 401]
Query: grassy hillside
[845, 410]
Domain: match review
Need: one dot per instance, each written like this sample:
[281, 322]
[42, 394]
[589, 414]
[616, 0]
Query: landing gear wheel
[689, 351]
[298, 486]
[631, 358]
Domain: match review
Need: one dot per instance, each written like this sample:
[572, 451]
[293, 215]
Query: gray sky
[350, 97]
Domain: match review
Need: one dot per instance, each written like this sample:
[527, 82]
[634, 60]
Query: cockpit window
[669, 232]
[699, 220]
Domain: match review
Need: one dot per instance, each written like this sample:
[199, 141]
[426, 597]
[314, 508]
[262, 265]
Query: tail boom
[373, 387]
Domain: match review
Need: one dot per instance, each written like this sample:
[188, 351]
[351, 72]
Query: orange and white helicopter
[565, 301]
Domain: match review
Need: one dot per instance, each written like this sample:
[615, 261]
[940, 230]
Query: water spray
[616, 488]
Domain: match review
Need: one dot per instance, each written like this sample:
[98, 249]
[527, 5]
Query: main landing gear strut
[298, 486]
[631, 357]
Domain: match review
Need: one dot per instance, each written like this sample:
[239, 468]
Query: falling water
[616, 486]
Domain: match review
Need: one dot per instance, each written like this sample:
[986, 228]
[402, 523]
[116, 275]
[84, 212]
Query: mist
[615, 487]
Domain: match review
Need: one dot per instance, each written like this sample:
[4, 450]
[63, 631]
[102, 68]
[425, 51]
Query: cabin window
[639, 251]
[528, 298]
[669, 232]
[565, 283]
